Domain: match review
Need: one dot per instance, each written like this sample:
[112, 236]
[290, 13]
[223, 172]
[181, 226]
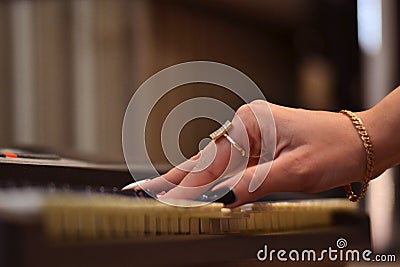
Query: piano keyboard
[71, 215]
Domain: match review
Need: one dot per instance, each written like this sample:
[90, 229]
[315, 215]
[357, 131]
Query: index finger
[166, 181]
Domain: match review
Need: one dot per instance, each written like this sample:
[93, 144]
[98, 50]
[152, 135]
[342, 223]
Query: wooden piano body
[53, 224]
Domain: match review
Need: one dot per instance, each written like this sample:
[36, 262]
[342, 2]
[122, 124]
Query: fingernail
[228, 198]
[214, 196]
[160, 194]
[134, 185]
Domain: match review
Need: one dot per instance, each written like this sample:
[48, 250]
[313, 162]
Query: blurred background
[69, 68]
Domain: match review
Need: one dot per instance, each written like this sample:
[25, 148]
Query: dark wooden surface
[25, 245]
[71, 173]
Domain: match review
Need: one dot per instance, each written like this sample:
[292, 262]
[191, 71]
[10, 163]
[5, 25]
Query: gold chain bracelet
[370, 156]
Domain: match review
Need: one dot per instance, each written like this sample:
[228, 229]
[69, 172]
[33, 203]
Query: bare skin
[315, 151]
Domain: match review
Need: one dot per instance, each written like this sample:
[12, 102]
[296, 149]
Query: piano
[72, 213]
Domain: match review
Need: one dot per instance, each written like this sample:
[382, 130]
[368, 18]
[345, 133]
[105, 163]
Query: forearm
[383, 125]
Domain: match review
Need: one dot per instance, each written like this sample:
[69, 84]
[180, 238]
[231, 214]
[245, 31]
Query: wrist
[381, 134]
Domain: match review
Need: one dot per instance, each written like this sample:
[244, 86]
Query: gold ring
[223, 131]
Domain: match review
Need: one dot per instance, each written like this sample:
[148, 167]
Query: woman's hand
[315, 151]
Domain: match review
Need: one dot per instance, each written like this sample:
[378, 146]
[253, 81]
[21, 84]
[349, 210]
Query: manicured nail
[134, 185]
[228, 198]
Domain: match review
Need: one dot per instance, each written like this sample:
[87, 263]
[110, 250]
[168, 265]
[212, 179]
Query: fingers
[233, 180]
[168, 180]
[276, 177]
[198, 174]
[201, 170]
[212, 163]
[219, 159]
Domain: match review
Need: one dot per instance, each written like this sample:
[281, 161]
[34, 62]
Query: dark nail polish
[215, 196]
